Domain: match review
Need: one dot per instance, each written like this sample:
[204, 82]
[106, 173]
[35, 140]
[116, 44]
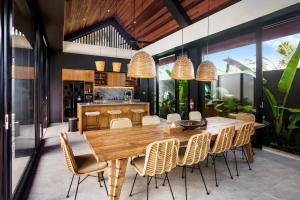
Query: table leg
[116, 174]
[249, 152]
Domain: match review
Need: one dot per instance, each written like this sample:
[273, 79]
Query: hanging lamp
[183, 68]
[207, 70]
[116, 65]
[142, 64]
[100, 65]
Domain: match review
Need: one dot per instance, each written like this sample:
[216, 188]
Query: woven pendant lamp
[183, 69]
[100, 65]
[206, 71]
[142, 65]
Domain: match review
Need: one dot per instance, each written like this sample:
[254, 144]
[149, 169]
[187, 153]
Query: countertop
[113, 103]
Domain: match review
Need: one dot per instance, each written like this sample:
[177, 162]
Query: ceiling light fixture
[207, 70]
[183, 68]
[100, 65]
[116, 65]
[141, 64]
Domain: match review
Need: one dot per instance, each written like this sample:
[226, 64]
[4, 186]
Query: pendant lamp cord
[142, 26]
[116, 13]
[100, 31]
[182, 41]
[207, 28]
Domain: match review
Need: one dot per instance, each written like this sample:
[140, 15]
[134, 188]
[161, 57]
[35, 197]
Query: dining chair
[195, 115]
[195, 152]
[120, 123]
[173, 117]
[242, 138]
[161, 157]
[222, 144]
[81, 165]
[150, 120]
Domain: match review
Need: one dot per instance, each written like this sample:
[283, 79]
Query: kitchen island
[103, 107]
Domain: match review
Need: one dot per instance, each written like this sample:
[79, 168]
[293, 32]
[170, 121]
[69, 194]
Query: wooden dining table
[117, 145]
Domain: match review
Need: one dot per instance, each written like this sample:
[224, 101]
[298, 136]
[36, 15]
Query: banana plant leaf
[272, 101]
[292, 110]
[288, 75]
[294, 119]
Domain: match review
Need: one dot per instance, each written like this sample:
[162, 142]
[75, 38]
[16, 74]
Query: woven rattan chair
[196, 151]
[242, 138]
[221, 146]
[81, 165]
[247, 117]
[161, 157]
[120, 123]
[150, 120]
[173, 117]
[195, 115]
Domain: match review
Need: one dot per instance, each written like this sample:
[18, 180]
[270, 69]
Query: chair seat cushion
[137, 110]
[88, 164]
[92, 114]
[138, 164]
[114, 112]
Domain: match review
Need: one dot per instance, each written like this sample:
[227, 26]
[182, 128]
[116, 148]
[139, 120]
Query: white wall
[86, 49]
[239, 13]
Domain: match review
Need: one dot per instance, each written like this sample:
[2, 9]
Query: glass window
[166, 89]
[22, 95]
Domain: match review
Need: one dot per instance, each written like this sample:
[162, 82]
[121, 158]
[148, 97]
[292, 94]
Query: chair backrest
[161, 157]
[197, 149]
[243, 136]
[150, 120]
[195, 115]
[247, 117]
[224, 140]
[173, 117]
[120, 123]
[68, 153]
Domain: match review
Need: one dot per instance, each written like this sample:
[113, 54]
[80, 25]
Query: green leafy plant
[232, 105]
[284, 86]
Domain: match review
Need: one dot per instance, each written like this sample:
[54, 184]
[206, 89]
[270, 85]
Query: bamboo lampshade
[100, 65]
[141, 65]
[116, 66]
[206, 71]
[183, 69]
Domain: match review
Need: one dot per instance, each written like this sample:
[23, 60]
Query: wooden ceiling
[152, 18]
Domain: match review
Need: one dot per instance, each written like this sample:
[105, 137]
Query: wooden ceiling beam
[178, 12]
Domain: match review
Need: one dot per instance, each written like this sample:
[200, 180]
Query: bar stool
[137, 113]
[92, 114]
[113, 114]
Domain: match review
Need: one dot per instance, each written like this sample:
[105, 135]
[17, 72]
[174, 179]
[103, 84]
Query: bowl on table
[192, 124]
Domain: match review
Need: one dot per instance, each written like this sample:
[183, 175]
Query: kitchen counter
[103, 107]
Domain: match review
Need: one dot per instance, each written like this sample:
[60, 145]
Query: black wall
[58, 61]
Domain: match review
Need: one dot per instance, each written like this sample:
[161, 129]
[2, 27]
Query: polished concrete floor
[273, 177]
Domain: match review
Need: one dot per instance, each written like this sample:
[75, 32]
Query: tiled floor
[273, 177]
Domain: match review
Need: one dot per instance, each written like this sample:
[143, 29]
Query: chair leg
[236, 167]
[164, 181]
[70, 187]
[185, 182]
[133, 184]
[104, 183]
[148, 187]
[182, 174]
[214, 163]
[244, 153]
[77, 187]
[99, 179]
[170, 185]
[227, 166]
[203, 179]
[206, 161]
[155, 182]
[192, 169]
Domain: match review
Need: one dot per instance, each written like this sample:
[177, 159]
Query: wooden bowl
[191, 124]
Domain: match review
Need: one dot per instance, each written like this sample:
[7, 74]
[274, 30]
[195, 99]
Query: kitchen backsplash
[114, 93]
